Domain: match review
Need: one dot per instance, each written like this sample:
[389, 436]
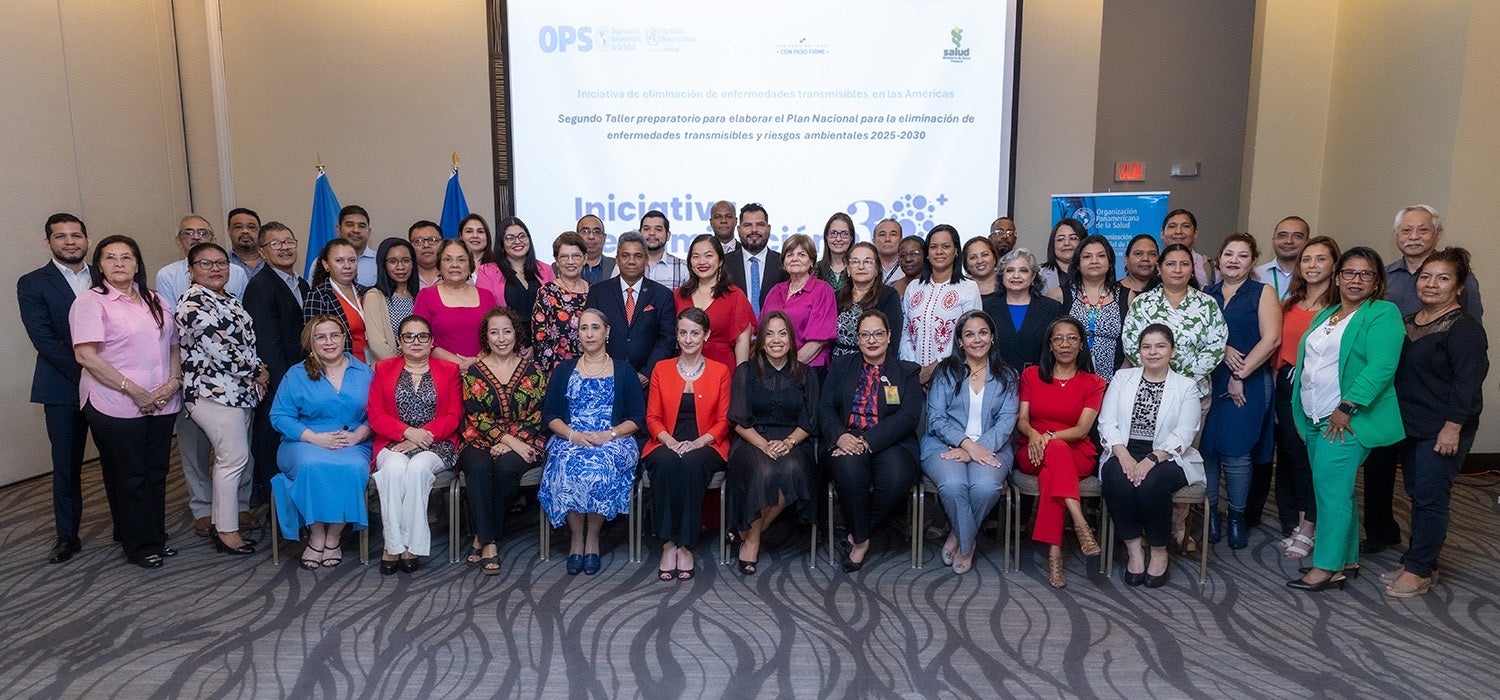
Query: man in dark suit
[751, 256]
[597, 266]
[273, 298]
[45, 295]
[642, 314]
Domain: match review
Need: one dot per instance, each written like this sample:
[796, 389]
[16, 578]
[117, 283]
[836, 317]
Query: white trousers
[227, 430]
[403, 484]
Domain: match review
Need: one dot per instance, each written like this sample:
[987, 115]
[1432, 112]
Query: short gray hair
[1030, 260]
[630, 237]
[1437, 219]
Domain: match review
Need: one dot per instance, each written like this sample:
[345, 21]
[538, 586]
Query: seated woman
[592, 408]
[415, 407]
[870, 408]
[1060, 399]
[1147, 426]
[773, 405]
[502, 436]
[686, 417]
[325, 442]
[966, 450]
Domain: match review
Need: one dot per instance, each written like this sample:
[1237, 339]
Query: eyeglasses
[908, 255]
[1066, 340]
[840, 234]
[1002, 232]
[861, 262]
[197, 234]
[595, 231]
[281, 243]
[426, 240]
[212, 264]
[515, 237]
[324, 337]
[872, 335]
[1361, 275]
[415, 337]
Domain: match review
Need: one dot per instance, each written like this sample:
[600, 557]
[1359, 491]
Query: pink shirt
[130, 342]
[814, 312]
[489, 277]
[454, 328]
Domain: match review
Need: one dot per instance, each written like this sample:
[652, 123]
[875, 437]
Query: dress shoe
[389, 567]
[64, 550]
[1327, 583]
[1350, 572]
[411, 565]
[168, 552]
[1376, 546]
[591, 564]
[1135, 579]
[150, 561]
[1215, 527]
[1239, 536]
[202, 526]
[222, 548]
[1159, 581]
[851, 566]
[575, 564]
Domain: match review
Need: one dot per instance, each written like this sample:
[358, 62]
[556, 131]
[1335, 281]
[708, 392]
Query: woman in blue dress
[593, 406]
[1240, 426]
[325, 442]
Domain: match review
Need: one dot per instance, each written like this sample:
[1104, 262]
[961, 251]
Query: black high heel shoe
[222, 548]
[1327, 583]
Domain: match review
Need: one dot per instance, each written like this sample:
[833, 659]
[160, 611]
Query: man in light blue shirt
[244, 240]
[354, 226]
[1287, 242]
[174, 279]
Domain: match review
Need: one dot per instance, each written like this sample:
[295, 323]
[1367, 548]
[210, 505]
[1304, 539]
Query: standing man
[666, 269]
[1288, 239]
[1417, 230]
[244, 239]
[424, 237]
[642, 307]
[273, 298]
[354, 226]
[1181, 226]
[597, 266]
[45, 295]
[888, 245]
[721, 221]
[1003, 236]
[192, 444]
[752, 267]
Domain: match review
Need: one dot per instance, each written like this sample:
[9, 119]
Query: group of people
[863, 364]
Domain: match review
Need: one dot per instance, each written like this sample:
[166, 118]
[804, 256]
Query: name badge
[892, 395]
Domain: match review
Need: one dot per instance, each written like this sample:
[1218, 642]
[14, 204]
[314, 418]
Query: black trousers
[1429, 483]
[871, 486]
[492, 483]
[264, 441]
[67, 430]
[133, 455]
[1380, 494]
[1294, 487]
[1144, 510]
[678, 483]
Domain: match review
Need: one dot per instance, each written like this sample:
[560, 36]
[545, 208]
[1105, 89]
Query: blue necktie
[755, 285]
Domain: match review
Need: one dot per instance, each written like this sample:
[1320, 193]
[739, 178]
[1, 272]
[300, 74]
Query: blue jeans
[1429, 484]
[968, 491]
[1236, 471]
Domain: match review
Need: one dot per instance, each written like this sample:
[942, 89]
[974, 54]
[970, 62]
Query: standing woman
[807, 300]
[1140, 265]
[325, 443]
[687, 418]
[979, 260]
[554, 319]
[708, 288]
[593, 406]
[864, 291]
[838, 238]
[1192, 315]
[1440, 386]
[1022, 314]
[454, 308]
[416, 404]
[869, 408]
[1061, 247]
[910, 257]
[1060, 398]
[1091, 295]
[474, 231]
[1347, 396]
[223, 380]
[125, 340]
[1239, 430]
[966, 449]
[773, 406]
[335, 293]
[934, 302]
[502, 435]
[515, 277]
[392, 298]
[1311, 291]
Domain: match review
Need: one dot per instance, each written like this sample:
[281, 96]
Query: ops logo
[1085, 216]
[557, 39]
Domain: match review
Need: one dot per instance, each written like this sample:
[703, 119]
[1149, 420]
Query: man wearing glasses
[888, 245]
[192, 444]
[597, 266]
[273, 298]
[1003, 236]
[424, 237]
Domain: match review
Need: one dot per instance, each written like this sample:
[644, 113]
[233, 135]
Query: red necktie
[629, 306]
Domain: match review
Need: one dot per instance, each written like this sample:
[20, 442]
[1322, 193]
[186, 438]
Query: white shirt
[889, 275]
[174, 279]
[931, 312]
[634, 287]
[975, 426]
[1320, 369]
[1279, 279]
[79, 280]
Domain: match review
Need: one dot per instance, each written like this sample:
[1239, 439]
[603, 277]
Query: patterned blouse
[1144, 413]
[399, 307]
[1196, 323]
[219, 362]
[554, 324]
[931, 310]
[416, 404]
[494, 409]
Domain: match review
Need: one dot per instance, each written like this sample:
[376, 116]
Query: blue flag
[324, 226]
[454, 207]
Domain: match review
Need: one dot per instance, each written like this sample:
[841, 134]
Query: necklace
[599, 369]
[1334, 320]
[1092, 308]
[691, 373]
[1434, 316]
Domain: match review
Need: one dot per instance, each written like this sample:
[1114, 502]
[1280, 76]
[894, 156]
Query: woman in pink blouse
[807, 300]
[454, 307]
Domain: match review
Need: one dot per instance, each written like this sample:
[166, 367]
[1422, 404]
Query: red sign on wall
[1130, 172]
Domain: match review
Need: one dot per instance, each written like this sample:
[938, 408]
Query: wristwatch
[1348, 408]
[613, 435]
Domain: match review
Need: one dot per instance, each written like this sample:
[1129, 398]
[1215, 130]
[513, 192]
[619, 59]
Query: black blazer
[652, 337]
[772, 275]
[277, 319]
[1022, 348]
[898, 421]
[45, 299]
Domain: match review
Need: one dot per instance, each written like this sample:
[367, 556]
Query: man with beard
[752, 267]
[888, 245]
[721, 220]
[1003, 236]
[662, 267]
[45, 295]
[244, 240]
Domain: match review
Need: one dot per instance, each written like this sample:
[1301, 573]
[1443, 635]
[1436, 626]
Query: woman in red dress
[729, 313]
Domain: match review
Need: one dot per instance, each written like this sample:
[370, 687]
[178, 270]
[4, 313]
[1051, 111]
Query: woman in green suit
[1346, 396]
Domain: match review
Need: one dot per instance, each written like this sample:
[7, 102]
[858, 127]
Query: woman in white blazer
[1146, 428]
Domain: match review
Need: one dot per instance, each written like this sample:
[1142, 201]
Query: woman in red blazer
[687, 418]
[416, 404]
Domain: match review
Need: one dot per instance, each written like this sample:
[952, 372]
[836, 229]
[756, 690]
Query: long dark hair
[795, 368]
[97, 283]
[383, 280]
[1075, 274]
[1085, 361]
[957, 275]
[721, 284]
[489, 255]
[956, 364]
[1298, 289]
[877, 286]
[824, 268]
[320, 271]
[529, 267]
[1078, 230]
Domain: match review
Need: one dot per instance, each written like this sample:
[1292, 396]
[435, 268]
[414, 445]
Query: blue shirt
[303, 404]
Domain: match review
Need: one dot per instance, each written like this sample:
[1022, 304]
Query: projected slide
[877, 109]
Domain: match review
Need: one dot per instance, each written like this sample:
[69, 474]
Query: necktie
[629, 306]
[755, 285]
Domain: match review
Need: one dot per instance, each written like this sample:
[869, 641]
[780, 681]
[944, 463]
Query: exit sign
[1130, 172]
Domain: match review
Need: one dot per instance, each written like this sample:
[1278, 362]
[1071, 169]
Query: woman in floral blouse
[554, 319]
[502, 433]
[223, 380]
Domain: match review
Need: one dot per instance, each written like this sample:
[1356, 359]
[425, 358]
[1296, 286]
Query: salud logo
[957, 54]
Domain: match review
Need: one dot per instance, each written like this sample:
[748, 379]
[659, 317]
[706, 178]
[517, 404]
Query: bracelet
[613, 435]
[122, 384]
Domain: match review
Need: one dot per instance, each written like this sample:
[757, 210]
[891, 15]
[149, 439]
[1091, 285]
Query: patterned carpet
[216, 626]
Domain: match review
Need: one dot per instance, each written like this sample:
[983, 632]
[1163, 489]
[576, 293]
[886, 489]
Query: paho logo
[957, 54]
[559, 38]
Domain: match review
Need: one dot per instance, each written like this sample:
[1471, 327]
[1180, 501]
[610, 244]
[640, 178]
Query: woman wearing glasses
[1062, 246]
[1346, 396]
[838, 238]
[554, 319]
[910, 257]
[392, 297]
[416, 403]
[515, 277]
[454, 307]
[863, 291]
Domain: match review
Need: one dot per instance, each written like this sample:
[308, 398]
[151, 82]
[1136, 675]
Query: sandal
[1289, 540]
[684, 574]
[1301, 546]
[311, 564]
[665, 575]
[747, 568]
[475, 556]
[1086, 542]
[1395, 591]
[335, 559]
[1055, 576]
[490, 566]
